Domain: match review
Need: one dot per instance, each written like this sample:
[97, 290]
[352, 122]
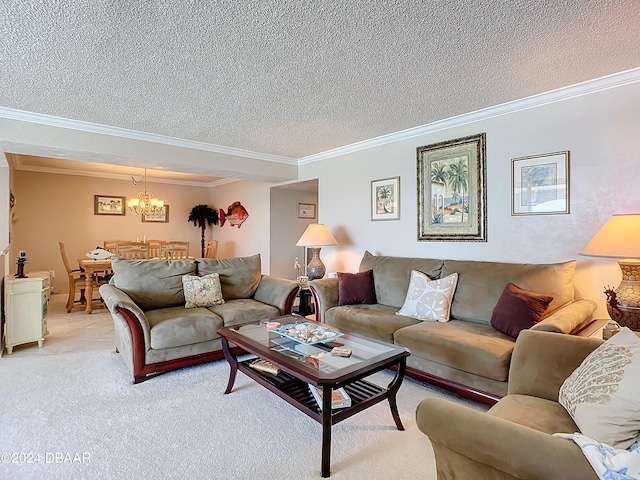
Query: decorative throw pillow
[518, 309]
[356, 288]
[202, 291]
[429, 299]
[601, 395]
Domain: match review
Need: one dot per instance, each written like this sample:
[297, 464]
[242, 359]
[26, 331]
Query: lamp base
[315, 267]
[623, 303]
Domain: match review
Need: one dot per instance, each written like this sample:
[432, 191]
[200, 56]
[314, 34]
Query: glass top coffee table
[308, 361]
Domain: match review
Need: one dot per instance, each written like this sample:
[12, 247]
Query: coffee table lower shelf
[296, 392]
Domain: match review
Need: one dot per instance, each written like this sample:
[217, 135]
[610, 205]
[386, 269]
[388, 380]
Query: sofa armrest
[568, 319]
[118, 301]
[325, 295]
[277, 292]
[497, 444]
[541, 361]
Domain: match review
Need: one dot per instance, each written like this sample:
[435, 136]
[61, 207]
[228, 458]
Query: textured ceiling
[298, 77]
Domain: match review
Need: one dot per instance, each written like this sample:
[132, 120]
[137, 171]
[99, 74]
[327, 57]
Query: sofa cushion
[391, 275]
[602, 393]
[429, 299]
[356, 288]
[518, 309]
[202, 291]
[480, 285]
[152, 284]
[243, 310]
[239, 276]
[538, 413]
[470, 347]
[375, 321]
[178, 326]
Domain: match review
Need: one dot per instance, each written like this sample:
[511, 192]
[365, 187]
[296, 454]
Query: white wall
[253, 235]
[602, 132]
[287, 228]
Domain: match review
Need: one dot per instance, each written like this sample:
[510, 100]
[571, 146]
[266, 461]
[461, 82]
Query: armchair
[513, 439]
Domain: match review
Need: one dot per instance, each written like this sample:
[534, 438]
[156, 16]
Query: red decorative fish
[236, 214]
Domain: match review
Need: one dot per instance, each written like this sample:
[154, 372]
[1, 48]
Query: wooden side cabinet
[26, 303]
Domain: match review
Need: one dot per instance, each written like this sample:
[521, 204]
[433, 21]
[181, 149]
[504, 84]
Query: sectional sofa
[465, 354]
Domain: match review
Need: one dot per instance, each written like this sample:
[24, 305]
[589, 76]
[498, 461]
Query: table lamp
[620, 238]
[314, 237]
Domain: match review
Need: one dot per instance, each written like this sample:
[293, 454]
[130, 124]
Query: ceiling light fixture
[144, 201]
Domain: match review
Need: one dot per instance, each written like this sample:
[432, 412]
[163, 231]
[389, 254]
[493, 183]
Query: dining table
[91, 268]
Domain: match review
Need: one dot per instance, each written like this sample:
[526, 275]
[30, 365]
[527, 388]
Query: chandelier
[144, 201]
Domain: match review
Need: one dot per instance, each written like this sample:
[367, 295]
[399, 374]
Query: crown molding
[39, 118]
[565, 93]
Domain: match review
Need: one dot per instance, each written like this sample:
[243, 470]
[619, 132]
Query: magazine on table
[339, 397]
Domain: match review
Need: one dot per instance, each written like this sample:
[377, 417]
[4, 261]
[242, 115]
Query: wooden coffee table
[303, 365]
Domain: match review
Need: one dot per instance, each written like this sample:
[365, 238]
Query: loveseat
[465, 354]
[155, 332]
[513, 440]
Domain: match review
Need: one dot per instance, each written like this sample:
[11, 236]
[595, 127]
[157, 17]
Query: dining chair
[112, 245]
[174, 250]
[154, 248]
[212, 249]
[77, 283]
[133, 250]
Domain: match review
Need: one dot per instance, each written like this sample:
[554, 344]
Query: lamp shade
[316, 235]
[619, 237]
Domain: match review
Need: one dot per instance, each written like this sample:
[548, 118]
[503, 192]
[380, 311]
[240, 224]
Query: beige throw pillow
[601, 395]
[202, 291]
[429, 299]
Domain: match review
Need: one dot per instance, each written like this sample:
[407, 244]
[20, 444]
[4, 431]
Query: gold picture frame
[452, 200]
[109, 205]
[160, 215]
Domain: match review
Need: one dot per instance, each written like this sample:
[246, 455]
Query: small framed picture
[160, 215]
[385, 199]
[540, 184]
[108, 205]
[306, 210]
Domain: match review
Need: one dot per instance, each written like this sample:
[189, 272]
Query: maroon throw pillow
[356, 288]
[518, 309]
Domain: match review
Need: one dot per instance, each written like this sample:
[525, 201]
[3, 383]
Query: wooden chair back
[112, 245]
[173, 250]
[133, 250]
[77, 282]
[154, 248]
[212, 249]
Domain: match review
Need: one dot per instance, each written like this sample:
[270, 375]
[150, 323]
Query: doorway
[287, 225]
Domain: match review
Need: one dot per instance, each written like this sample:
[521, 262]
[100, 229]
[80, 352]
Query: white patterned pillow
[202, 291]
[429, 299]
[601, 395]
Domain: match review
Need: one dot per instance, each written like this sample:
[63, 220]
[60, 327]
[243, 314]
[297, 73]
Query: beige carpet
[75, 414]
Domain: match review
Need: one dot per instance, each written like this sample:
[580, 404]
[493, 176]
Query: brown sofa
[466, 354]
[513, 440]
[155, 333]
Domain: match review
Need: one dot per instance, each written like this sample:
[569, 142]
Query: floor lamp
[314, 237]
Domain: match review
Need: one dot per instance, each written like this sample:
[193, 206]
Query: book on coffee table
[339, 397]
[264, 366]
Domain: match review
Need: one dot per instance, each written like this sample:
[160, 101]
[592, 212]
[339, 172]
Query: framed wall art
[108, 205]
[540, 184]
[452, 201]
[385, 199]
[160, 215]
[306, 210]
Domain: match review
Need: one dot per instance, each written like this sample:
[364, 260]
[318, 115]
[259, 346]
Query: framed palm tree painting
[452, 200]
[385, 199]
